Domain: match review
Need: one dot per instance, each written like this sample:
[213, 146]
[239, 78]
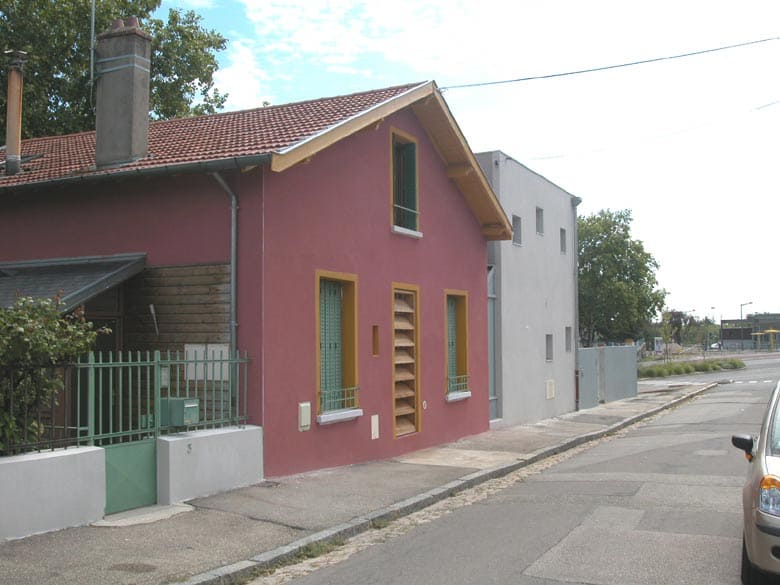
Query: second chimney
[122, 125]
[13, 121]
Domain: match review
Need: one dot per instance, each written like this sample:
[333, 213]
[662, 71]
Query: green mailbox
[179, 412]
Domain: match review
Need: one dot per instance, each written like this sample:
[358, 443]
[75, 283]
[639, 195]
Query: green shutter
[330, 341]
[410, 181]
[452, 337]
[405, 184]
[398, 178]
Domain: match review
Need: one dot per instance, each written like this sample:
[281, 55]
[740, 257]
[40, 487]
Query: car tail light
[769, 495]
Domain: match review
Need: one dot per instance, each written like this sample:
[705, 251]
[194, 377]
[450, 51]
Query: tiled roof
[208, 138]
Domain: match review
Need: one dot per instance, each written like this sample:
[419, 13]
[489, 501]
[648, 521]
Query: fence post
[91, 398]
[157, 392]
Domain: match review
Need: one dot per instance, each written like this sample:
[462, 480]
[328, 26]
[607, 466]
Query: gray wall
[201, 463]
[606, 374]
[40, 492]
[537, 294]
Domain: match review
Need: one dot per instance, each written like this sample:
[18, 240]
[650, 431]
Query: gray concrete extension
[231, 536]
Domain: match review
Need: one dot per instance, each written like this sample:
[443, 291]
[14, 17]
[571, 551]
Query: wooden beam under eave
[459, 171]
[495, 232]
[310, 147]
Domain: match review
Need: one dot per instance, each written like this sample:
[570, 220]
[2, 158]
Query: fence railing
[119, 397]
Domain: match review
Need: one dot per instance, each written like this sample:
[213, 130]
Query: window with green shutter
[337, 342]
[452, 337]
[457, 340]
[330, 343]
[405, 200]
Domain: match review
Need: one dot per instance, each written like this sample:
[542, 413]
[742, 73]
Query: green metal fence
[113, 398]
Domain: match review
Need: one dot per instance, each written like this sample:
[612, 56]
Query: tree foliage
[35, 338]
[58, 97]
[618, 292]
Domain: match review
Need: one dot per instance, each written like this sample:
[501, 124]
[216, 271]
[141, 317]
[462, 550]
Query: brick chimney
[13, 120]
[122, 66]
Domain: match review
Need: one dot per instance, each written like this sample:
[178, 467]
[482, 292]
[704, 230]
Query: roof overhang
[75, 280]
[430, 108]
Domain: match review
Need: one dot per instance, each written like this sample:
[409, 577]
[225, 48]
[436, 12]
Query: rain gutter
[234, 163]
[233, 256]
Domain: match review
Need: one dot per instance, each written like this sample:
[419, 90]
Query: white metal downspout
[233, 257]
[576, 334]
[262, 296]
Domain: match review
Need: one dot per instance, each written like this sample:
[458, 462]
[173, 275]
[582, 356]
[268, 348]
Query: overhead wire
[608, 67]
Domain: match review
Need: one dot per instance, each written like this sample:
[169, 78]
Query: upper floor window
[540, 221]
[563, 241]
[406, 209]
[517, 230]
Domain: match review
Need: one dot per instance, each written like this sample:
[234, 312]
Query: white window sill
[337, 416]
[402, 231]
[458, 396]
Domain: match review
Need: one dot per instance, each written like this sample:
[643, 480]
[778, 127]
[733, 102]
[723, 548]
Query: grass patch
[317, 549]
[380, 523]
[680, 368]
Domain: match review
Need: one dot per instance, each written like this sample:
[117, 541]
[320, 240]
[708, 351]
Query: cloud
[242, 78]
[196, 4]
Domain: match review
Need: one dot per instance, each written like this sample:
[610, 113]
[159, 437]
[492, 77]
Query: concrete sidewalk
[228, 537]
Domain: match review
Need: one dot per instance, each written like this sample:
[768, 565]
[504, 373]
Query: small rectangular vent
[550, 389]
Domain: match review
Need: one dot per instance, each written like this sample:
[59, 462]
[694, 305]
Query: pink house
[340, 242]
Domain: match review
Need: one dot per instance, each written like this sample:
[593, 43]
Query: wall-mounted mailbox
[179, 412]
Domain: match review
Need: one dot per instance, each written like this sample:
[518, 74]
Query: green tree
[35, 338]
[618, 292]
[58, 97]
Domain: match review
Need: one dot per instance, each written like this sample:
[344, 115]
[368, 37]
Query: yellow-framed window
[337, 341]
[406, 208]
[456, 310]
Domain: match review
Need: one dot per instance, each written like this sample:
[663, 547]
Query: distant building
[532, 296]
[757, 331]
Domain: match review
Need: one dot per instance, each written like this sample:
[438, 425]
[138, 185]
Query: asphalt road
[657, 504]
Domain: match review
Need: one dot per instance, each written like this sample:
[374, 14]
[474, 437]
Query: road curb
[241, 571]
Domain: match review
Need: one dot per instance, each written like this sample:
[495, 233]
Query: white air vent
[550, 389]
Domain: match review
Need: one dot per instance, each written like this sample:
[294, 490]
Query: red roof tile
[214, 137]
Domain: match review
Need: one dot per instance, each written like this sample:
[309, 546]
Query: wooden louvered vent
[405, 362]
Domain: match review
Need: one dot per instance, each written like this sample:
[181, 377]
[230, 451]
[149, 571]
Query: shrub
[35, 337]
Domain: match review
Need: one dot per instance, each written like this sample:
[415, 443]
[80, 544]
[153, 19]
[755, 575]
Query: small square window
[563, 241]
[540, 221]
[548, 342]
[517, 230]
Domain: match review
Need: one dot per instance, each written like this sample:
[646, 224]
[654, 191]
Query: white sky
[689, 145]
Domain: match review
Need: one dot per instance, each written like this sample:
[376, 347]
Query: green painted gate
[121, 398]
[117, 398]
[131, 475]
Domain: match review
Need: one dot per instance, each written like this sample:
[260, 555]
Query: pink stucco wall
[179, 220]
[176, 221]
[334, 214]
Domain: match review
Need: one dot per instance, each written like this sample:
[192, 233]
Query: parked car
[761, 497]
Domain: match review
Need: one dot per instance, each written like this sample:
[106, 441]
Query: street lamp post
[742, 329]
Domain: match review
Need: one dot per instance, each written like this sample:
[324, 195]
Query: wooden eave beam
[284, 160]
[457, 171]
[473, 184]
